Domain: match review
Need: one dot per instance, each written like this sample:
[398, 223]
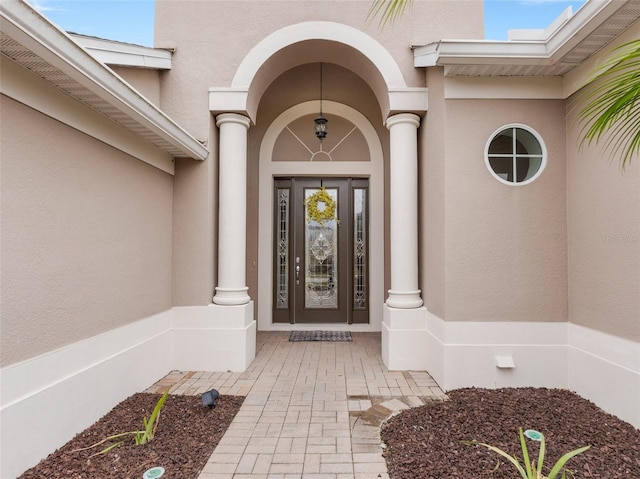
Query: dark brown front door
[320, 259]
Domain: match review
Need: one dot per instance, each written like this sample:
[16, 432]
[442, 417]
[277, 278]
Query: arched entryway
[249, 105]
[367, 163]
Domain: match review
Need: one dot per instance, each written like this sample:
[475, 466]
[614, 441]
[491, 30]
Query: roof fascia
[35, 92]
[544, 52]
[124, 54]
[581, 25]
[53, 45]
[541, 34]
[485, 52]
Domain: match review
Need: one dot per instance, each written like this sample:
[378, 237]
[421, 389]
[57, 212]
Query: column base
[214, 337]
[231, 296]
[404, 338]
[404, 299]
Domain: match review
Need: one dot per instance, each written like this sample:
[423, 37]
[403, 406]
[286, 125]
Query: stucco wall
[204, 59]
[86, 236]
[603, 223]
[195, 213]
[433, 198]
[603, 239]
[492, 252]
[145, 80]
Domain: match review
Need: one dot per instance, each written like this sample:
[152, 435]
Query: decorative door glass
[360, 249]
[321, 253]
[321, 250]
[282, 257]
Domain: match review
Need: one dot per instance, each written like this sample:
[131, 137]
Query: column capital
[402, 118]
[230, 99]
[233, 118]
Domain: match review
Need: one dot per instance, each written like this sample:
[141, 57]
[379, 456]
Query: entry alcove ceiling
[315, 52]
[302, 83]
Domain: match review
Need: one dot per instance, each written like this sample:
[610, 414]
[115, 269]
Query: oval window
[515, 154]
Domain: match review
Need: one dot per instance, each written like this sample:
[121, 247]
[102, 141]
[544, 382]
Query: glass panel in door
[321, 246]
[321, 249]
[320, 255]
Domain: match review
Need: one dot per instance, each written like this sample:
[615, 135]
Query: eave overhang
[30, 40]
[568, 45]
[112, 53]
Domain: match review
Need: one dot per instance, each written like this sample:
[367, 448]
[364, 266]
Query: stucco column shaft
[232, 214]
[404, 292]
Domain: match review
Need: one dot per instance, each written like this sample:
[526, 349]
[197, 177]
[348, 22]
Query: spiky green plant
[533, 469]
[140, 437]
[389, 10]
[612, 109]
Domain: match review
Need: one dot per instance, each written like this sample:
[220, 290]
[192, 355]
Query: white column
[232, 214]
[404, 292]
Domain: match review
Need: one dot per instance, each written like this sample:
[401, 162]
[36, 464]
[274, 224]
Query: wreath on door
[321, 207]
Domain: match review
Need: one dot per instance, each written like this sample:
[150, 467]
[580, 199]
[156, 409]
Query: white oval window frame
[537, 136]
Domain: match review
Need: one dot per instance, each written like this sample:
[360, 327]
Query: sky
[131, 21]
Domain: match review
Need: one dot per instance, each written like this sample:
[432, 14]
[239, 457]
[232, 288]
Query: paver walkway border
[312, 409]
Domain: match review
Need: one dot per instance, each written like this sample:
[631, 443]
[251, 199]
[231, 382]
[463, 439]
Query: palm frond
[389, 10]
[612, 109]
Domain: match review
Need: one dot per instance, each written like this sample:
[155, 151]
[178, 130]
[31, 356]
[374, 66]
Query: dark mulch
[186, 436]
[425, 442]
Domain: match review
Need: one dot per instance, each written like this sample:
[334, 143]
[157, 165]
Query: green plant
[389, 10]
[531, 469]
[140, 437]
[613, 104]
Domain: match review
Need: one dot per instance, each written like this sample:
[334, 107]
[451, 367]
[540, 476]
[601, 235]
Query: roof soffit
[589, 30]
[33, 42]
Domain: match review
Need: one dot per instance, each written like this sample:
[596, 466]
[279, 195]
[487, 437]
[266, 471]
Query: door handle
[298, 274]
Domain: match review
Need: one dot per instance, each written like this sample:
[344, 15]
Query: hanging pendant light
[321, 121]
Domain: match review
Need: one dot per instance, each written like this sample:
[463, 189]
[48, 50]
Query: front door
[320, 251]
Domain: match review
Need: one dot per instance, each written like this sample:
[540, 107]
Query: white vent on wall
[505, 362]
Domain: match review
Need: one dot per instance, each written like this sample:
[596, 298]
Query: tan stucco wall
[86, 236]
[603, 239]
[433, 199]
[204, 59]
[603, 223]
[145, 80]
[506, 245]
[195, 224]
[492, 252]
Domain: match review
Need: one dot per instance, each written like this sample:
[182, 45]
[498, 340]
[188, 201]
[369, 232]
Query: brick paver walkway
[312, 409]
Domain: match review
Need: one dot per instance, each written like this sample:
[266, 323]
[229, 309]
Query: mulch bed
[186, 436]
[425, 442]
